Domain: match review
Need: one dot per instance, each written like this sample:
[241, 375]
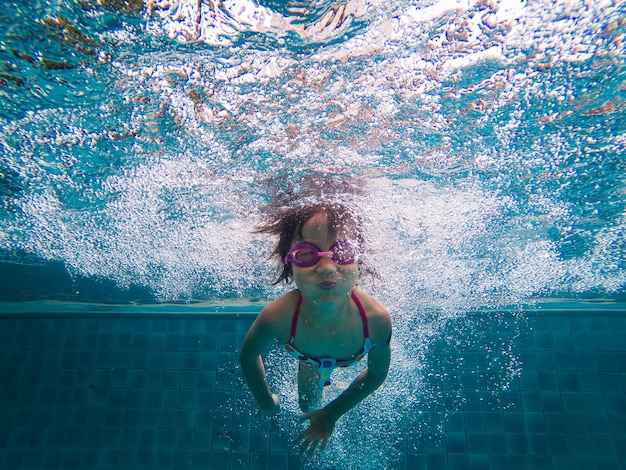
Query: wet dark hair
[286, 223]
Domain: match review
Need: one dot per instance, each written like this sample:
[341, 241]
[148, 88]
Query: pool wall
[163, 391]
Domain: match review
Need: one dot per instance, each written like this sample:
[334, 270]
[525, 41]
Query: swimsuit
[326, 365]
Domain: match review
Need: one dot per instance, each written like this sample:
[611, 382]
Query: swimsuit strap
[366, 330]
[294, 320]
[296, 313]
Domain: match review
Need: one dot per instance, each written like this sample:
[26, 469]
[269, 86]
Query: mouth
[327, 285]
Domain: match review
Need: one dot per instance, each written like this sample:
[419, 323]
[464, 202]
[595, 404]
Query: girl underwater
[326, 322]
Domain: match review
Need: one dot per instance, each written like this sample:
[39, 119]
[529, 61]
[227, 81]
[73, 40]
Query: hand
[319, 431]
[274, 409]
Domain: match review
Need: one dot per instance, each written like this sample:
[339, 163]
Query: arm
[323, 421]
[365, 384]
[259, 336]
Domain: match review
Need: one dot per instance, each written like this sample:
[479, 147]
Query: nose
[326, 266]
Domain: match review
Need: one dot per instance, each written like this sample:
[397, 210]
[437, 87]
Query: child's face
[325, 280]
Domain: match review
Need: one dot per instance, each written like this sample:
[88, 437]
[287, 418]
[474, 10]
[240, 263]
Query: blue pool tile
[191, 360]
[436, 445]
[476, 442]
[220, 459]
[206, 396]
[607, 362]
[529, 381]
[569, 381]
[562, 341]
[53, 458]
[156, 341]
[601, 341]
[240, 440]
[208, 360]
[208, 341]
[545, 360]
[174, 342]
[175, 325]
[182, 458]
[575, 423]
[558, 444]
[32, 459]
[171, 379]
[548, 380]
[543, 340]
[593, 402]
[581, 342]
[496, 443]
[617, 426]
[474, 422]
[173, 360]
[517, 443]
[585, 360]
[494, 421]
[518, 462]
[114, 417]
[192, 342]
[278, 460]
[572, 402]
[226, 342]
[186, 419]
[610, 382]
[417, 461]
[137, 359]
[598, 425]
[456, 442]
[167, 418]
[222, 420]
[514, 422]
[534, 422]
[203, 438]
[132, 418]
[184, 438]
[259, 461]
[455, 422]
[155, 360]
[498, 461]
[458, 461]
[437, 462]
[139, 342]
[189, 379]
[537, 445]
[615, 403]
[531, 401]
[280, 442]
[603, 447]
[589, 382]
[581, 446]
[259, 441]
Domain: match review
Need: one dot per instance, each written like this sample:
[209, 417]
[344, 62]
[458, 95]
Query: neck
[327, 311]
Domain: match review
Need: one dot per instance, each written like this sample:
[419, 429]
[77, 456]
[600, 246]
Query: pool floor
[164, 392]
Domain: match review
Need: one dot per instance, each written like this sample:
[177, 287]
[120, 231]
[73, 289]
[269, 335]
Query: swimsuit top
[327, 364]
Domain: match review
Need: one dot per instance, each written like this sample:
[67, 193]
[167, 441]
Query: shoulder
[378, 317]
[275, 318]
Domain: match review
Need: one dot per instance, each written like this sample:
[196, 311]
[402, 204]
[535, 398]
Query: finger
[304, 447]
[309, 447]
[312, 448]
[300, 437]
[305, 417]
[324, 442]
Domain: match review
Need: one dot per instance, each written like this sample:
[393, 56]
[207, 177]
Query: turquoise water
[139, 139]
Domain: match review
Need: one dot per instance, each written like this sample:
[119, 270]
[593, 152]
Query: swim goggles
[305, 255]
